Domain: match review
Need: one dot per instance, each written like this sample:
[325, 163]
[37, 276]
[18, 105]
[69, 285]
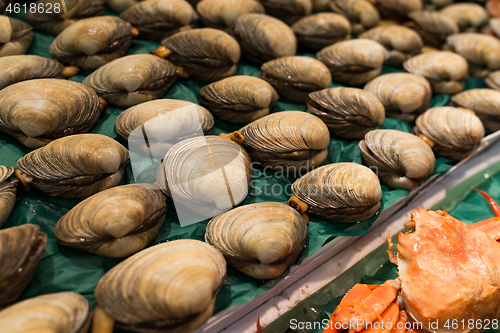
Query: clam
[35, 112]
[158, 19]
[64, 312]
[493, 80]
[8, 190]
[21, 249]
[484, 102]
[56, 17]
[289, 11]
[447, 72]
[92, 42]
[154, 127]
[361, 13]
[208, 175]
[403, 95]
[263, 38]
[15, 36]
[293, 141]
[114, 223]
[321, 30]
[221, 14]
[295, 77]
[206, 54]
[340, 192]
[401, 42]
[469, 16]
[320, 5]
[173, 286]
[133, 79]
[397, 9]
[74, 167]
[451, 132]
[402, 160]
[261, 240]
[433, 27]
[354, 62]
[119, 6]
[495, 26]
[481, 51]
[436, 4]
[348, 112]
[239, 99]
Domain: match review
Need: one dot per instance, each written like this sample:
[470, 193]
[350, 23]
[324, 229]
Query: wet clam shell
[289, 11]
[133, 79]
[469, 16]
[15, 36]
[396, 9]
[361, 13]
[433, 27]
[239, 99]
[173, 285]
[484, 102]
[296, 77]
[76, 166]
[35, 112]
[263, 38]
[8, 190]
[321, 30]
[455, 132]
[221, 14]
[348, 112]
[92, 42]
[402, 160]
[493, 80]
[436, 4]
[261, 240]
[119, 6]
[340, 192]
[447, 72]
[21, 249]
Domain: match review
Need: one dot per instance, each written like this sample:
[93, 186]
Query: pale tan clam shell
[16, 36]
[354, 62]
[493, 80]
[340, 192]
[239, 99]
[261, 240]
[433, 27]
[495, 26]
[35, 112]
[173, 285]
[8, 190]
[289, 11]
[294, 78]
[221, 14]
[397, 9]
[484, 102]
[361, 13]
[454, 131]
[321, 30]
[401, 159]
[446, 71]
[403, 95]
[64, 312]
[119, 6]
[348, 112]
[469, 16]
[76, 166]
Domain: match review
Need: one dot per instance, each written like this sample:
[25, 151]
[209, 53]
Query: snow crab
[449, 280]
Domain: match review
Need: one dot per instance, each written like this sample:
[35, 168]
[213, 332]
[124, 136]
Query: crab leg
[490, 226]
[387, 322]
[401, 324]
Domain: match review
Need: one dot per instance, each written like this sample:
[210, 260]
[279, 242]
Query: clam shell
[261, 240]
[240, 99]
[8, 190]
[402, 160]
[447, 72]
[340, 192]
[221, 14]
[296, 77]
[348, 112]
[35, 112]
[403, 95]
[289, 11]
[64, 312]
[263, 38]
[495, 26]
[207, 54]
[455, 132]
[15, 36]
[321, 30]
[484, 102]
[294, 141]
[433, 27]
[119, 6]
[493, 80]
[396, 9]
[436, 4]
[173, 286]
[354, 62]
[133, 79]
[469, 16]
[76, 166]
[21, 249]
[80, 45]
[320, 5]
[114, 223]
[158, 19]
[361, 13]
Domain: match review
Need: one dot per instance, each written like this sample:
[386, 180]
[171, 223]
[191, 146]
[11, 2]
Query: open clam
[447, 72]
[293, 141]
[133, 79]
[173, 285]
[470, 17]
[401, 159]
[92, 42]
[348, 112]
[451, 132]
[74, 167]
[21, 249]
[403, 95]
[295, 77]
[239, 99]
[484, 102]
[261, 240]
[396, 9]
[361, 13]
[15, 36]
[354, 62]
[64, 312]
[221, 14]
[433, 27]
[321, 30]
[289, 11]
[493, 80]
[8, 190]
